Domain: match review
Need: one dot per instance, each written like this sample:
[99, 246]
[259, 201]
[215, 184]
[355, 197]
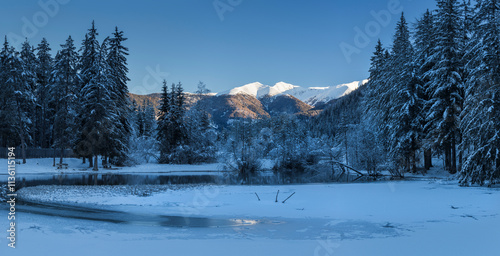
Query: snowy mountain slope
[254, 89]
[310, 95]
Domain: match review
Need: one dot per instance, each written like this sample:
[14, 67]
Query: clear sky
[239, 42]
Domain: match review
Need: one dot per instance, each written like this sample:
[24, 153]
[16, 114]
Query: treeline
[436, 91]
[76, 100]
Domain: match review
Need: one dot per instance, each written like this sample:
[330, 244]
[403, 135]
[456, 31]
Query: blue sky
[242, 41]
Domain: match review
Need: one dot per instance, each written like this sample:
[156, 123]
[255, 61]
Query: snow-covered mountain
[310, 95]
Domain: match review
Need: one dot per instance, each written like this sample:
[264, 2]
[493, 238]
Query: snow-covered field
[432, 217]
[45, 166]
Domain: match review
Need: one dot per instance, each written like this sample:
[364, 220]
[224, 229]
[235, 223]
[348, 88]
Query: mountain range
[256, 100]
[311, 95]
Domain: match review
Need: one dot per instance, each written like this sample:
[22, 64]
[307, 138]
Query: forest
[433, 93]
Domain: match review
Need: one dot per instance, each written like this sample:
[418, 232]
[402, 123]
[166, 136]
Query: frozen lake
[383, 218]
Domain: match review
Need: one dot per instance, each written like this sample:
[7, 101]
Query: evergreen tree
[376, 101]
[172, 129]
[378, 95]
[425, 43]
[481, 115]
[44, 70]
[446, 85]
[89, 52]
[98, 107]
[98, 113]
[15, 98]
[63, 91]
[117, 61]
[10, 79]
[177, 115]
[405, 120]
[164, 133]
[377, 63]
[28, 59]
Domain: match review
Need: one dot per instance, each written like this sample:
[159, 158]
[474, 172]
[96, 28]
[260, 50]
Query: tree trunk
[413, 162]
[83, 160]
[453, 169]
[460, 161]
[346, 148]
[447, 156]
[105, 161]
[90, 162]
[23, 149]
[96, 164]
[427, 159]
[62, 155]
[496, 173]
[406, 165]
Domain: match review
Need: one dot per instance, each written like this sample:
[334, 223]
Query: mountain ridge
[309, 95]
[256, 100]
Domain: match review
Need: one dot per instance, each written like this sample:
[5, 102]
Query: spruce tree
[99, 117]
[28, 59]
[44, 109]
[481, 115]
[89, 51]
[98, 114]
[446, 84]
[63, 92]
[117, 60]
[425, 43]
[16, 99]
[405, 120]
[164, 126]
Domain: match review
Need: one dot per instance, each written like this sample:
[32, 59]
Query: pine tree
[89, 51]
[28, 59]
[117, 61]
[481, 115]
[164, 125]
[446, 85]
[405, 121]
[44, 112]
[10, 79]
[98, 112]
[172, 129]
[425, 43]
[16, 100]
[377, 97]
[377, 63]
[98, 127]
[177, 115]
[63, 91]
[376, 100]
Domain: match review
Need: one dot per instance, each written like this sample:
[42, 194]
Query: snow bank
[45, 166]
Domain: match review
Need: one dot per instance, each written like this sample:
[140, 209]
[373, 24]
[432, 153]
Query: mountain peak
[311, 95]
[250, 89]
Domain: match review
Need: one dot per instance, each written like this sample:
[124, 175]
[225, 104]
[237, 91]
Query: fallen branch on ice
[288, 197]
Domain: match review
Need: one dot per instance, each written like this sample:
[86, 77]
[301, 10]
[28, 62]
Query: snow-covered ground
[45, 166]
[432, 217]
